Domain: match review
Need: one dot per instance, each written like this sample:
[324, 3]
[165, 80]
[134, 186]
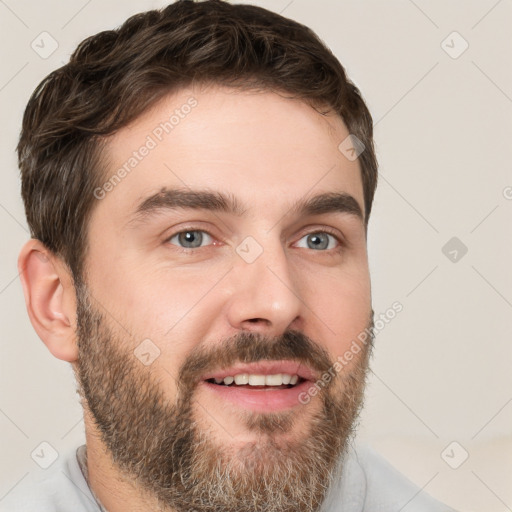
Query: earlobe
[49, 298]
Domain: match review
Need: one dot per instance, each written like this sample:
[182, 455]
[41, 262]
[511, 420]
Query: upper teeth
[259, 380]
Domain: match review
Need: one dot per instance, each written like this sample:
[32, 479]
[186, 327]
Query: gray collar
[81, 457]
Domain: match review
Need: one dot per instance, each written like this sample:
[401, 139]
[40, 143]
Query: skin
[269, 152]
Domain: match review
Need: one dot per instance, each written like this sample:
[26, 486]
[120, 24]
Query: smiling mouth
[264, 386]
[258, 381]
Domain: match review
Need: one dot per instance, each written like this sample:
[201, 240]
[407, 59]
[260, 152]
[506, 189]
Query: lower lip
[262, 399]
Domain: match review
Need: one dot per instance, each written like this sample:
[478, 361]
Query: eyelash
[188, 250]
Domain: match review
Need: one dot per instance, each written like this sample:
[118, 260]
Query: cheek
[176, 312]
[343, 308]
[147, 296]
[166, 308]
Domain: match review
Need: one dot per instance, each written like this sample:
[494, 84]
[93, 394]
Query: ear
[50, 298]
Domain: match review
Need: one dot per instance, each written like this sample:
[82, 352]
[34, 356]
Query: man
[198, 185]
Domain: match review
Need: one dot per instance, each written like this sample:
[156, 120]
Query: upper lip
[264, 368]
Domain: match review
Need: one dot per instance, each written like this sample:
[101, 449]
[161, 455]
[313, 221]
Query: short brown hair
[115, 75]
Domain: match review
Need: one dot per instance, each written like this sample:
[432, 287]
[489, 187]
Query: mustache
[251, 347]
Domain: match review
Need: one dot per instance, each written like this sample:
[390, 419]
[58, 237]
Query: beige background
[442, 367]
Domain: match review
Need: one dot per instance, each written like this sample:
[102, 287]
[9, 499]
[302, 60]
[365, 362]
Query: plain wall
[443, 123]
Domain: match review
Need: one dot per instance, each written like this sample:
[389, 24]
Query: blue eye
[190, 239]
[320, 240]
[197, 238]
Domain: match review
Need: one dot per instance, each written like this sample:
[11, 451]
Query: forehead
[261, 147]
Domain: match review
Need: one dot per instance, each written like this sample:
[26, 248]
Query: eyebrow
[215, 201]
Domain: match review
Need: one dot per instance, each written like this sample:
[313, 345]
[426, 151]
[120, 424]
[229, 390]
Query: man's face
[180, 300]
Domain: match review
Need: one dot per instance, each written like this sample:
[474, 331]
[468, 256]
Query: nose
[265, 296]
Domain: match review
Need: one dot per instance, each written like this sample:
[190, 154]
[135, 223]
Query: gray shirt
[368, 484]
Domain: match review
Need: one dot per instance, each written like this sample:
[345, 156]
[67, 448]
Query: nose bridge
[265, 294]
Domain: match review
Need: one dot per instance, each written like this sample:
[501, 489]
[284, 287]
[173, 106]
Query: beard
[165, 449]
